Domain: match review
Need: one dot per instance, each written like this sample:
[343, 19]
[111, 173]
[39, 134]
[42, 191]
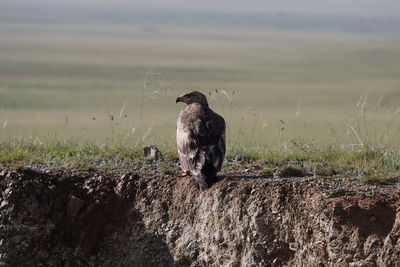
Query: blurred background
[313, 72]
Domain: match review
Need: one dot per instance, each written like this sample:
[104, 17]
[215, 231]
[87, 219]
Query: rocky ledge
[141, 217]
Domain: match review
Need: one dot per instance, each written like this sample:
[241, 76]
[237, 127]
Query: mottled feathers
[200, 138]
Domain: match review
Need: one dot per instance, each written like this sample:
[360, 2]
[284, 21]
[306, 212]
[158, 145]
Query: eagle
[200, 136]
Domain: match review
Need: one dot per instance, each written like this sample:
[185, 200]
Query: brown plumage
[200, 137]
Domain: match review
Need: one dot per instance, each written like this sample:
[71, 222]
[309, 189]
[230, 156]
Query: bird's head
[193, 97]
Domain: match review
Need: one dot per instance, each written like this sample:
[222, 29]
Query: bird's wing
[221, 148]
[211, 136]
[187, 149]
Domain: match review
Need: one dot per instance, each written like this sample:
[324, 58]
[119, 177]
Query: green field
[120, 82]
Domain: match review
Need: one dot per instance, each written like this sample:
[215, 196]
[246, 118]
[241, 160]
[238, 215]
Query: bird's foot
[184, 174]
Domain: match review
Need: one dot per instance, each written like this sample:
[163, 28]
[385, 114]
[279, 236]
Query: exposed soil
[138, 216]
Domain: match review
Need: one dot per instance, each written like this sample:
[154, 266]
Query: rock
[152, 152]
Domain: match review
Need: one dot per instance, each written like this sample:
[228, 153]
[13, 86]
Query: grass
[311, 81]
[33, 151]
[291, 100]
[166, 168]
[382, 178]
[370, 167]
[292, 171]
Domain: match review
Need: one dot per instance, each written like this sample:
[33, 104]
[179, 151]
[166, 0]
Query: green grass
[370, 167]
[379, 178]
[53, 85]
[166, 168]
[328, 102]
[292, 171]
[34, 151]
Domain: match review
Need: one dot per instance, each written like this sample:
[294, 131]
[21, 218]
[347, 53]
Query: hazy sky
[336, 7]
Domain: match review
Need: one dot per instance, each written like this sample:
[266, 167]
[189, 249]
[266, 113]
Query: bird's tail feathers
[196, 172]
[201, 181]
[210, 173]
[204, 172]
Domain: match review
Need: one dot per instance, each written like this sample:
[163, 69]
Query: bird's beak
[179, 99]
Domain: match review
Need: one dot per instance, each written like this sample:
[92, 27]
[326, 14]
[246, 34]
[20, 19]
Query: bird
[200, 137]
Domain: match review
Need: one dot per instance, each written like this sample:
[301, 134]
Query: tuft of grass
[28, 151]
[267, 171]
[166, 168]
[376, 179]
[292, 171]
[18, 155]
[87, 167]
[171, 154]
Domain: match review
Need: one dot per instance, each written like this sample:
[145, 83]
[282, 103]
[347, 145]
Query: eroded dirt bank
[141, 217]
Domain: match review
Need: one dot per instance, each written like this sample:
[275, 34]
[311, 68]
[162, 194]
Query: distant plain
[93, 82]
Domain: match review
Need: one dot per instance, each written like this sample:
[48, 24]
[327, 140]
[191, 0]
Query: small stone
[372, 219]
[334, 243]
[219, 238]
[152, 152]
[348, 258]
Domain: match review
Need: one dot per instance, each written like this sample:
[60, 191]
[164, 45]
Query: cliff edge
[142, 217]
